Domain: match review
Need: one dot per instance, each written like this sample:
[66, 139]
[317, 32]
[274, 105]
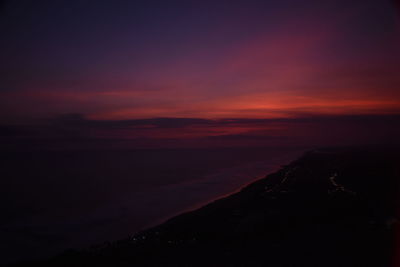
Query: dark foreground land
[332, 207]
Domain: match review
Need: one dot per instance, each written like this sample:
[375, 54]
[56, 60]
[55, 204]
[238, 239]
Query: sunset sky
[215, 63]
[200, 59]
[118, 114]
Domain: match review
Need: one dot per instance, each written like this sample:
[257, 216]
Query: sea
[53, 200]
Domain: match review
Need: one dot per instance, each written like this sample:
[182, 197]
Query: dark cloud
[323, 129]
[76, 119]
[79, 120]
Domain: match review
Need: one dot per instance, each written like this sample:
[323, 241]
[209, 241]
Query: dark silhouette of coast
[331, 207]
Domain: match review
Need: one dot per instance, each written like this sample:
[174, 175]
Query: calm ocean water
[55, 200]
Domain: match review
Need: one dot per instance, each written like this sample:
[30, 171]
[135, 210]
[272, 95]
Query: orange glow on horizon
[305, 64]
[259, 106]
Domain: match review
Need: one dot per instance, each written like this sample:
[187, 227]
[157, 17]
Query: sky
[178, 80]
[110, 61]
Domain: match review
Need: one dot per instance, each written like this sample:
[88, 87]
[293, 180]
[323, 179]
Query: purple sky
[222, 71]
[205, 59]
